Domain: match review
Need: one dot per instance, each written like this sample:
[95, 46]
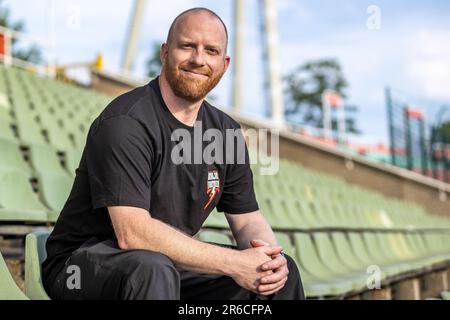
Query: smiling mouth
[197, 74]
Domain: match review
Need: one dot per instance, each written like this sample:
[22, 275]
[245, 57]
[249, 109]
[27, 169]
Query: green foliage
[304, 88]
[153, 64]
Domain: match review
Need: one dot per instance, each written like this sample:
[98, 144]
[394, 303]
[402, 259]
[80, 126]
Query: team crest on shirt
[213, 186]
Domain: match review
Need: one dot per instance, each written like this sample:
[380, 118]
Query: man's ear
[227, 62]
[163, 53]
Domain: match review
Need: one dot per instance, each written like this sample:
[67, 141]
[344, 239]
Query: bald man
[126, 230]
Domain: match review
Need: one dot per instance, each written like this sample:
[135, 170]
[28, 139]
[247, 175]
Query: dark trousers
[105, 271]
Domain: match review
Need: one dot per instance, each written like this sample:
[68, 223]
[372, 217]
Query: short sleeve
[238, 195]
[118, 158]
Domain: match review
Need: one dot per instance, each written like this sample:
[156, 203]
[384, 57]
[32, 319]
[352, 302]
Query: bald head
[174, 27]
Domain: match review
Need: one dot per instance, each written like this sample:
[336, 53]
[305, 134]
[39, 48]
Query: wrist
[231, 260]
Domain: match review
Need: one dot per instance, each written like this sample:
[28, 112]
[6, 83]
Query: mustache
[200, 70]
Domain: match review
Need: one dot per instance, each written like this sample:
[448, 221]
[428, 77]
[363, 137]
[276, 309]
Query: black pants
[107, 272]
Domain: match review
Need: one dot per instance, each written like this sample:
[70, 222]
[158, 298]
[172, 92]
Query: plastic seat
[29, 131]
[318, 279]
[216, 220]
[330, 258]
[54, 190]
[351, 258]
[59, 138]
[72, 158]
[44, 158]
[9, 289]
[12, 158]
[6, 132]
[18, 202]
[35, 254]
[214, 237]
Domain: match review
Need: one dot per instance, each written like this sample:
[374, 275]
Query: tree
[441, 133]
[154, 62]
[304, 88]
[30, 54]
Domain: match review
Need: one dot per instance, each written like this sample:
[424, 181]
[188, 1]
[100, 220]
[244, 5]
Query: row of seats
[34, 190]
[298, 196]
[36, 110]
[38, 158]
[331, 264]
[336, 263]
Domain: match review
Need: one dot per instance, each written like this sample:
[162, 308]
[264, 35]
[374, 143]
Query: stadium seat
[30, 131]
[44, 158]
[215, 237]
[12, 158]
[35, 254]
[9, 289]
[318, 279]
[72, 160]
[6, 131]
[54, 189]
[216, 220]
[18, 202]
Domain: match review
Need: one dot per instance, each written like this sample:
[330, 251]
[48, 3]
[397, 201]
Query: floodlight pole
[132, 39]
[272, 44]
[239, 20]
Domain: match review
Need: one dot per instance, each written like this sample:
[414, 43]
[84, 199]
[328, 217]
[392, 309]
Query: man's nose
[198, 57]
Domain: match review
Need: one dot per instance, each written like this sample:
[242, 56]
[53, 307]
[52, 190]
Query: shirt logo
[213, 186]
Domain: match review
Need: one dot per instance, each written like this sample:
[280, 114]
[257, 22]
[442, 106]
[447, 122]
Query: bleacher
[338, 233]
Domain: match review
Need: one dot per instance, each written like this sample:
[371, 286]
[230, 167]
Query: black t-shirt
[128, 161]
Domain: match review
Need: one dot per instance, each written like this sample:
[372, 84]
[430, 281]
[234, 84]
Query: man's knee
[151, 275]
[146, 262]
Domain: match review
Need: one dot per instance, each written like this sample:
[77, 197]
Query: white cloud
[429, 62]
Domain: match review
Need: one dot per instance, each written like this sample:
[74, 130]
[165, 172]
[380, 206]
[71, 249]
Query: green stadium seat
[8, 288]
[44, 158]
[318, 279]
[35, 254]
[18, 202]
[29, 130]
[54, 190]
[215, 237]
[4, 101]
[285, 242]
[216, 220]
[12, 158]
[58, 138]
[72, 160]
[335, 264]
[6, 131]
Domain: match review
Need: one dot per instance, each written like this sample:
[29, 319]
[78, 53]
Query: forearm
[256, 230]
[144, 232]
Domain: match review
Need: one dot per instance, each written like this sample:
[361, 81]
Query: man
[126, 230]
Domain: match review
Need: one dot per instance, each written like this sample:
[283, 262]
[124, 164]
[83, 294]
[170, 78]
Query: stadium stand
[340, 235]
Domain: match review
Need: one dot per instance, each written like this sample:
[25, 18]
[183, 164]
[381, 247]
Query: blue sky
[410, 51]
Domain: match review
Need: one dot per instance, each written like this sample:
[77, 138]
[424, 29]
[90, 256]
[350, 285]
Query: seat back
[215, 237]
[35, 254]
[9, 290]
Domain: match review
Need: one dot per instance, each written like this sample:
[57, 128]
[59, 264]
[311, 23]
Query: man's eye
[213, 51]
